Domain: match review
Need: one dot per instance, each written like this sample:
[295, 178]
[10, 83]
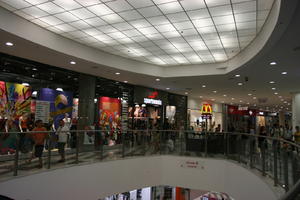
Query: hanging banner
[42, 111]
[109, 112]
[19, 99]
[61, 102]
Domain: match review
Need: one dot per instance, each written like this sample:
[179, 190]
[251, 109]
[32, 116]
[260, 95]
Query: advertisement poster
[42, 111]
[61, 102]
[109, 112]
[19, 99]
[3, 98]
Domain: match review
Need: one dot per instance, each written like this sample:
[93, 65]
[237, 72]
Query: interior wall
[98, 180]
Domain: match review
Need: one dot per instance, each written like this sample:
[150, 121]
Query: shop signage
[153, 95]
[206, 109]
[42, 111]
[193, 164]
[242, 108]
[152, 101]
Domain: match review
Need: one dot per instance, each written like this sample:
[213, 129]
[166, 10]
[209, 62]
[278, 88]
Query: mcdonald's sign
[206, 109]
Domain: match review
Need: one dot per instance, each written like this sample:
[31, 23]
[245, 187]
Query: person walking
[63, 133]
[39, 136]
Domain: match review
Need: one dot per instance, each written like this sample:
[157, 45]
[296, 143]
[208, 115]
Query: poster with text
[61, 102]
[19, 99]
[109, 112]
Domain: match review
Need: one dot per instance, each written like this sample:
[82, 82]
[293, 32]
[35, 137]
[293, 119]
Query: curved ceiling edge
[43, 37]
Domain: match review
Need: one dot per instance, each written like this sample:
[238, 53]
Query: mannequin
[67, 120]
[23, 123]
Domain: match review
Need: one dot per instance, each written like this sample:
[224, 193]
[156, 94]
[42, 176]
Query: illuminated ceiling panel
[161, 32]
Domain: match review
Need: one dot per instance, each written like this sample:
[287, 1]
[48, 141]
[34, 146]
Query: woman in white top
[63, 135]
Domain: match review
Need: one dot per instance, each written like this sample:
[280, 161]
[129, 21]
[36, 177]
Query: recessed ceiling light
[117, 73]
[232, 98]
[237, 75]
[34, 69]
[73, 63]
[203, 86]
[125, 81]
[249, 94]
[167, 88]
[98, 85]
[276, 93]
[222, 101]
[215, 91]
[224, 95]
[248, 103]
[9, 44]
[254, 105]
[272, 82]
[32, 75]
[25, 84]
[254, 97]
[186, 93]
[240, 84]
[212, 99]
[273, 63]
[201, 97]
[157, 79]
[285, 102]
[280, 96]
[273, 88]
[241, 101]
[283, 73]
[59, 89]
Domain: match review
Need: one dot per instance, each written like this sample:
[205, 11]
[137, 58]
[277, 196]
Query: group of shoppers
[34, 140]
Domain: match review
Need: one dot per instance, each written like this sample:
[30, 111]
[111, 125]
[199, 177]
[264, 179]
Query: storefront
[241, 119]
[157, 108]
[197, 120]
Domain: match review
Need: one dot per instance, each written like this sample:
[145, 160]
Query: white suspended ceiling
[161, 32]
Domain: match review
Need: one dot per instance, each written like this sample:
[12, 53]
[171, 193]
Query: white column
[296, 110]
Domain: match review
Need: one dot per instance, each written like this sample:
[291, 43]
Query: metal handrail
[224, 136]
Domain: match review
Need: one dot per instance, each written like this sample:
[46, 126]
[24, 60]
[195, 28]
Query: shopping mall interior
[149, 99]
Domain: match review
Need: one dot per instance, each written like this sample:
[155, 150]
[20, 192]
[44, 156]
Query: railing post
[123, 144]
[16, 162]
[263, 156]
[227, 144]
[239, 147]
[206, 143]
[77, 148]
[251, 151]
[285, 170]
[49, 152]
[275, 155]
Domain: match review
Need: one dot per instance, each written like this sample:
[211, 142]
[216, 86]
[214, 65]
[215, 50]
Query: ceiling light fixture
[276, 93]
[237, 75]
[59, 89]
[273, 88]
[273, 63]
[254, 97]
[167, 88]
[34, 69]
[34, 93]
[157, 79]
[125, 81]
[201, 97]
[224, 95]
[9, 44]
[214, 91]
[283, 73]
[249, 94]
[240, 84]
[73, 63]
[186, 93]
[232, 98]
[272, 82]
[117, 73]
[203, 86]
